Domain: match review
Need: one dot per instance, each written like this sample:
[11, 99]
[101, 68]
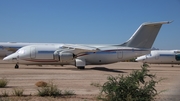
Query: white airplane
[80, 55]
[161, 57]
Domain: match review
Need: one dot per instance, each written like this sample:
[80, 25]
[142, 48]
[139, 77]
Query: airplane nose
[6, 58]
[10, 57]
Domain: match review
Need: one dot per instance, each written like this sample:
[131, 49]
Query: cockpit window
[20, 51]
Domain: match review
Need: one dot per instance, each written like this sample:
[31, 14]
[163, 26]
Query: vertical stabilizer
[145, 35]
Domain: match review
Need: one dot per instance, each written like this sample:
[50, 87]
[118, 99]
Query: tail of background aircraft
[145, 35]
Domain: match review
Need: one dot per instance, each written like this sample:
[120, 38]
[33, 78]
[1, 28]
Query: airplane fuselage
[46, 55]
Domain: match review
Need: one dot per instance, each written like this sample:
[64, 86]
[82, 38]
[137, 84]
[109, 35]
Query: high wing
[81, 48]
[77, 49]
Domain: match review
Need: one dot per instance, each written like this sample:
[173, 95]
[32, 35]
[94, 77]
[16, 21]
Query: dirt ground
[70, 78]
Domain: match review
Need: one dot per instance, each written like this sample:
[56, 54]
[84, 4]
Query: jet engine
[63, 56]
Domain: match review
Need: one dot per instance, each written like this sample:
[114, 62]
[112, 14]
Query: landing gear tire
[81, 67]
[16, 66]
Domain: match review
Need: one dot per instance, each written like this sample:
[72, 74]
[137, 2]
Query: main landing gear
[80, 63]
[81, 67]
[16, 66]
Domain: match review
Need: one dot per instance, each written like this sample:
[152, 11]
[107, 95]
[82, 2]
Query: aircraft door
[56, 56]
[120, 54]
[157, 57]
[33, 52]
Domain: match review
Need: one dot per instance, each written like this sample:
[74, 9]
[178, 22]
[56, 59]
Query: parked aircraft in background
[80, 55]
[161, 57]
[7, 48]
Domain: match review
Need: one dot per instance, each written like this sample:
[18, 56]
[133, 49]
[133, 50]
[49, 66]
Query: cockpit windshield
[20, 51]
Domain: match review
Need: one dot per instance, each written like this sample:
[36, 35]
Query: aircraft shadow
[45, 68]
[75, 69]
[107, 69]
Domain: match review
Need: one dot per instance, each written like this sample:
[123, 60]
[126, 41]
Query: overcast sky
[87, 21]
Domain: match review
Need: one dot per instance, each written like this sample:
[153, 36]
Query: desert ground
[79, 81]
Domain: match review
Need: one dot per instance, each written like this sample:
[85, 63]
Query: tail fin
[145, 35]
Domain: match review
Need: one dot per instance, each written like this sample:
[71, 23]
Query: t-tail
[145, 35]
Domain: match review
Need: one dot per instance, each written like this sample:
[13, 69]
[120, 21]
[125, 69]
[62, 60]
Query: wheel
[16, 66]
[81, 67]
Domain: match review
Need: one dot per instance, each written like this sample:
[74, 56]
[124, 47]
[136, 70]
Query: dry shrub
[50, 90]
[3, 82]
[41, 84]
[18, 91]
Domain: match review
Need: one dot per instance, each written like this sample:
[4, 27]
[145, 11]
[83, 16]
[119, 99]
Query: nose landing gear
[16, 66]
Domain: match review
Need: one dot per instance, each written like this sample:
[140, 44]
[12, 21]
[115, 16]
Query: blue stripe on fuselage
[113, 51]
[45, 52]
[166, 55]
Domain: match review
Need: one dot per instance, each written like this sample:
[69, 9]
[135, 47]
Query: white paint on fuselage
[44, 54]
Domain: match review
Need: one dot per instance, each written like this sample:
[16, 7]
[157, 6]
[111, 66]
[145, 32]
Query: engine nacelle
[63, 56]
